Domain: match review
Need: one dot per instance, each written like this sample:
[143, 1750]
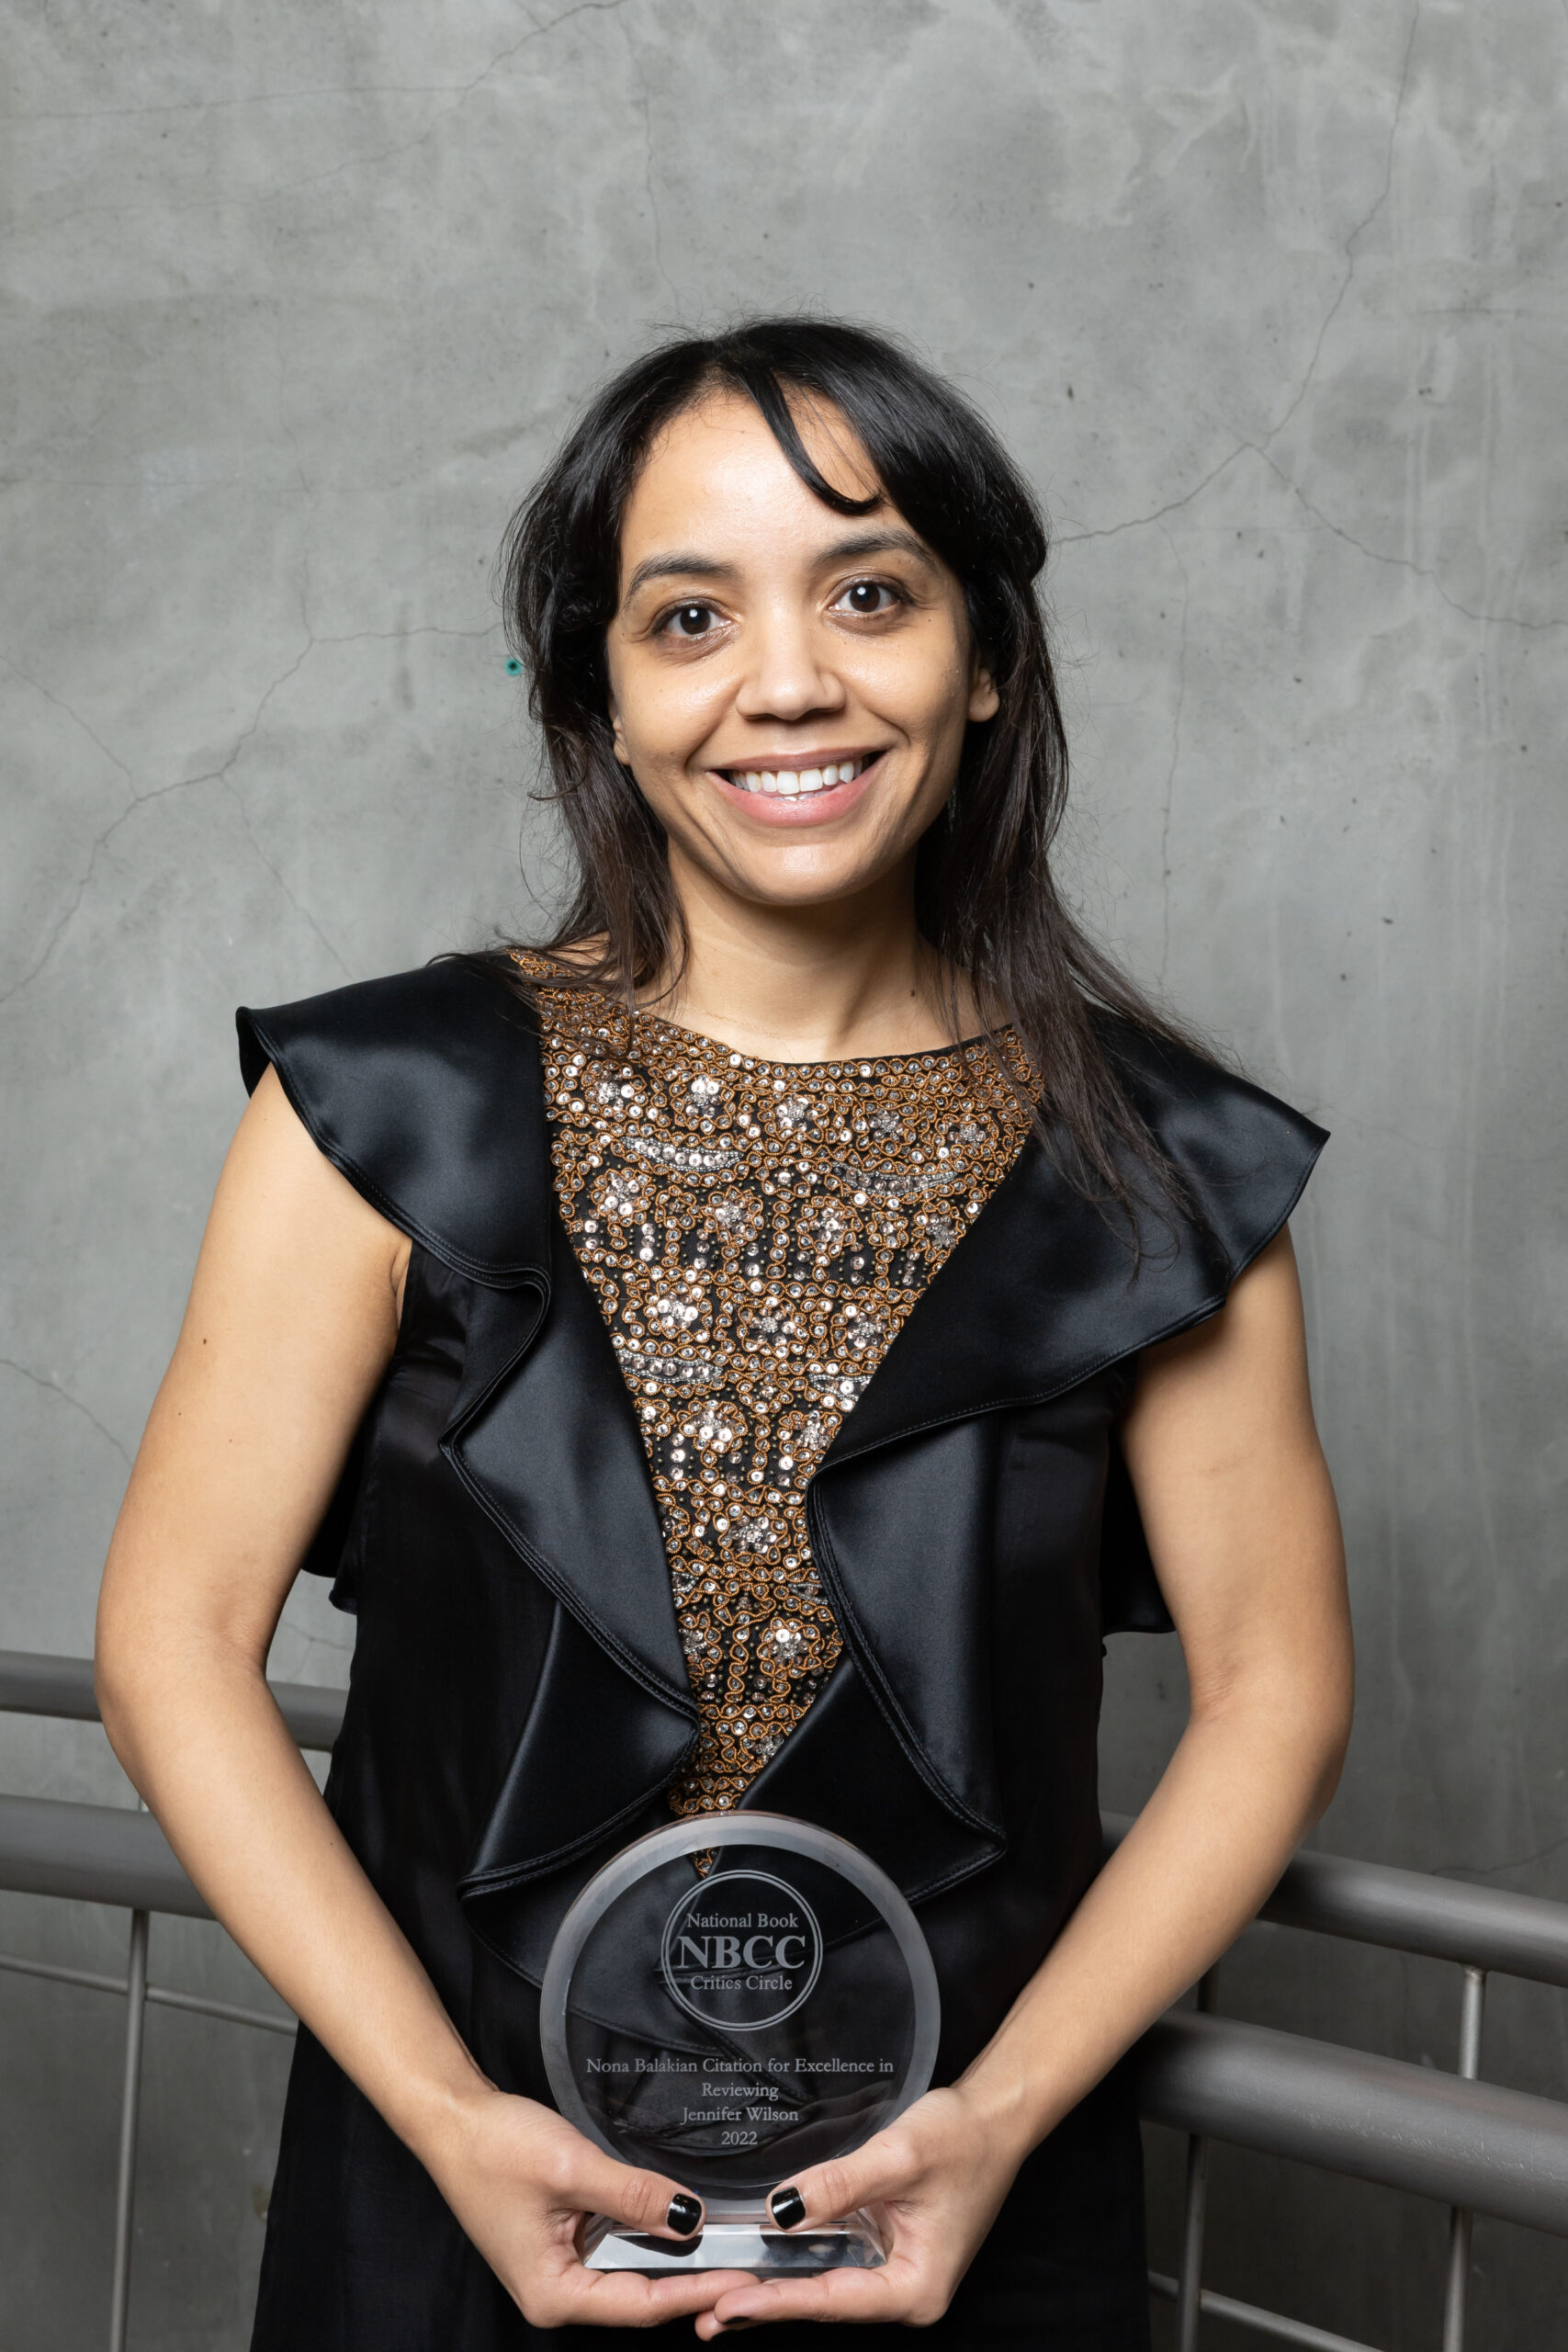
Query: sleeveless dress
[751, 1438]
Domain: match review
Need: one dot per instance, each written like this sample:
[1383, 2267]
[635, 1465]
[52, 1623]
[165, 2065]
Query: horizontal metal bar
[161, 1996]
[165, 1998]
[1276, 2324]
[1480, 1926]
[92, 1853]
[1443, 1918]
[1501, 2152]
[33, 1683]
[57, 1974]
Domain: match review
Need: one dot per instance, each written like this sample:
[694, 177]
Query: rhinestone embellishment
[788, 1642]
[756, 1234]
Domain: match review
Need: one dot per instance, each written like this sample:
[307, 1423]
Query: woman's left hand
[933, 2180]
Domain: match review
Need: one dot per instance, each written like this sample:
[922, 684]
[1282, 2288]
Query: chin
[786, 890]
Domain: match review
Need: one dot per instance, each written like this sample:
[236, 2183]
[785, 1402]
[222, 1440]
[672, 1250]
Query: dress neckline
[845, 1065]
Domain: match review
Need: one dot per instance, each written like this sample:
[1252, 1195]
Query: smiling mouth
[799, 784]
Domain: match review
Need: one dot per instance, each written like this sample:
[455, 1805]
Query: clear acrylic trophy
[729, 2000]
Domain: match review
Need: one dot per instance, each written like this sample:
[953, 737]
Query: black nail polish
[787, 2207]
[684, 2214]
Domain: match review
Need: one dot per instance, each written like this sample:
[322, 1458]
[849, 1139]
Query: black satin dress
[520, 1704]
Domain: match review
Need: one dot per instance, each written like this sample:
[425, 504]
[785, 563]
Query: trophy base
[738, 2237]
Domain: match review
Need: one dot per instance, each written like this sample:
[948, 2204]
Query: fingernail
[684, 2215]
[787, 2207]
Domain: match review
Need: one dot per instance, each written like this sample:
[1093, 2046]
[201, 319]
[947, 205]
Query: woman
[746, 1353]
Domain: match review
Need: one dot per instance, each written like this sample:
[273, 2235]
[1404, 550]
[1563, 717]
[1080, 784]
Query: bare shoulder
[284, 1216]
[299, 1282]
[291, 1322]
[1242, 1369]
[1233, 1490]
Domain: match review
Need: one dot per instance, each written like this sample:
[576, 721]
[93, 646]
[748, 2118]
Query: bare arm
[1240, 1519]
[1242, 1523]
[292, 1321]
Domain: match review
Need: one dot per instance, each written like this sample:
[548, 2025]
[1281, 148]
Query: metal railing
[1468, 2144]
[97, 1853]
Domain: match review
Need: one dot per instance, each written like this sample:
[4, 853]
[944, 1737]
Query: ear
[984, 700]
[617, 734]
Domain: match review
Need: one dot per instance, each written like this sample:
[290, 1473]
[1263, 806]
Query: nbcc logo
[741, 1952]
[727, 1952]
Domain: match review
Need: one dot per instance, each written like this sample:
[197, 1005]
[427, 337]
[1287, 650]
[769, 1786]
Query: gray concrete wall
[1267, 300]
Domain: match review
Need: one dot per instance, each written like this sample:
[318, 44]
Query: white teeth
[794, 783]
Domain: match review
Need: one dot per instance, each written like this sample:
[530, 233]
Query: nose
[786, 674]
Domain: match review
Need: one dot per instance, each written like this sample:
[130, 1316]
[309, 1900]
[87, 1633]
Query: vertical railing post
[1456, 2297]
[130, 2115]
[1194, 2212]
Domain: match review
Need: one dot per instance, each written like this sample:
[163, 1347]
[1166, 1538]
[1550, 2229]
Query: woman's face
[789, 686]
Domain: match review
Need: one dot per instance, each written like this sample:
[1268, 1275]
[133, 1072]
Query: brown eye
[868, 597]
[689, 620]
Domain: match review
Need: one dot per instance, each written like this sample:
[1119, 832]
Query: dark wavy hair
[986, 898]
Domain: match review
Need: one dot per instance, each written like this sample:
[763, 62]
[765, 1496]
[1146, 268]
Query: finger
[853, 2297]
[625, 2299]
[648, 2202]
[886, 2168]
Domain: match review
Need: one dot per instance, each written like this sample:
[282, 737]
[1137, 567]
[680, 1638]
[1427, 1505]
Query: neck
[811, 983]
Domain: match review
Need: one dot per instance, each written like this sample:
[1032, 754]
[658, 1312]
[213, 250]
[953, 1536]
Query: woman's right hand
[521, 2179]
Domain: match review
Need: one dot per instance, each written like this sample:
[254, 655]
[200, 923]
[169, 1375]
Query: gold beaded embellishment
[756, 1234]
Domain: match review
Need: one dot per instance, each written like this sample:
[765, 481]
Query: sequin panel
[756, 1234]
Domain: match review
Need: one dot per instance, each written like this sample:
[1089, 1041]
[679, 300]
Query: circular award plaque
[729, 2000]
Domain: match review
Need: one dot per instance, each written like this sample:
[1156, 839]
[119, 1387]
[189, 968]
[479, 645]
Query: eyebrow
[685, 564]
[677, 567]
